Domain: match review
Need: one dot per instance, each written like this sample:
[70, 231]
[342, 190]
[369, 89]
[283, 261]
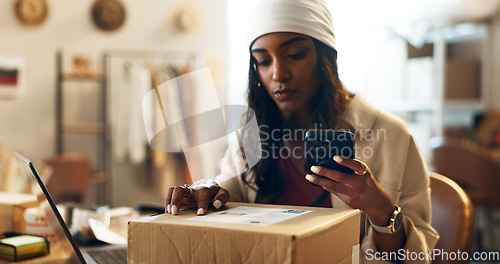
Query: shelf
[83, 128]
[79, 77]
[97, 126]
[470, 104]
[97, 177]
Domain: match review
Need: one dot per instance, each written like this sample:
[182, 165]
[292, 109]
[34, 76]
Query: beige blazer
[384, 143]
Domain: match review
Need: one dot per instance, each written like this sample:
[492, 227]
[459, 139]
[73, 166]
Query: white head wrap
[308, 17]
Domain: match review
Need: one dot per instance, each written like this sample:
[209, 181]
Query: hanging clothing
[131, 140]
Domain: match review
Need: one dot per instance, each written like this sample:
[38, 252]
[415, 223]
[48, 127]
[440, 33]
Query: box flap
[317, 219]
[16, 198]
[8, 200]
[175, 239]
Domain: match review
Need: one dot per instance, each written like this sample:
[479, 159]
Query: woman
[294, 85]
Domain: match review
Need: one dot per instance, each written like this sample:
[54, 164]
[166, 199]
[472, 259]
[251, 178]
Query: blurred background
[73, 74]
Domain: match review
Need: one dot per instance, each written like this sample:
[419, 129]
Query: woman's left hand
[359, 190]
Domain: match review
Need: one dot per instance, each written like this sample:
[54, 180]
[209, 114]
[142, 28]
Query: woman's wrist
[382, 216]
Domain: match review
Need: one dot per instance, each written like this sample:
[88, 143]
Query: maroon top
[298, 190]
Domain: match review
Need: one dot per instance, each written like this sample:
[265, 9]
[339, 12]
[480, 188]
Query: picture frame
[12, 77]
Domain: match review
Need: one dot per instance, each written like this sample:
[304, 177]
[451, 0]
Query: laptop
[103, 254]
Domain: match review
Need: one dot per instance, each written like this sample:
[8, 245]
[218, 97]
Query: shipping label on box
[251, 215]
[247, 233]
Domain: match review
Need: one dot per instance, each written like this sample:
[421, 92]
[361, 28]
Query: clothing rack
[157, 56]
[163, 55]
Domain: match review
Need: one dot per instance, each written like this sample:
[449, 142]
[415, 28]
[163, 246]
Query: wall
[28, 125]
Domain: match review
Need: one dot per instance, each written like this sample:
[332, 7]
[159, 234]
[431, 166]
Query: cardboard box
[12, 206]
[323, 235]
[462, 80]
[427, 50]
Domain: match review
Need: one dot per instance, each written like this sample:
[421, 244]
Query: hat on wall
[108, 15]
[308, 17]
[31, 12]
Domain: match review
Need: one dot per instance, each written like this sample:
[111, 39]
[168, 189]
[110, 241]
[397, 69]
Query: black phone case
[323, 145]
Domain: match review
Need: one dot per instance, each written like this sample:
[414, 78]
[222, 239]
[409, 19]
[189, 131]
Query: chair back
[452, 217]
[71, 177]
[471, 167]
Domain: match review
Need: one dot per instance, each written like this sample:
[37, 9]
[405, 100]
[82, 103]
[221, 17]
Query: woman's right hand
[201, 194]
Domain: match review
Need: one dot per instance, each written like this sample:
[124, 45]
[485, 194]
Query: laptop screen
[63, 242]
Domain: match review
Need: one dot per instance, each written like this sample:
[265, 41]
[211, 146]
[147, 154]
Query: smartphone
[323, 145]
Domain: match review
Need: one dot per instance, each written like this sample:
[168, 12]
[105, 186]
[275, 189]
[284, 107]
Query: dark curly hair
[331, 101]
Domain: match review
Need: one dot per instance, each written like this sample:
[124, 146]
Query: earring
[258, 84]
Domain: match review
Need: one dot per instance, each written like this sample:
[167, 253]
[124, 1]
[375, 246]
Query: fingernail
[217, 204]
[168, 208]
[315, 169]
[174, 209]
[201, 211]
[310, 178]
[338, 159]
